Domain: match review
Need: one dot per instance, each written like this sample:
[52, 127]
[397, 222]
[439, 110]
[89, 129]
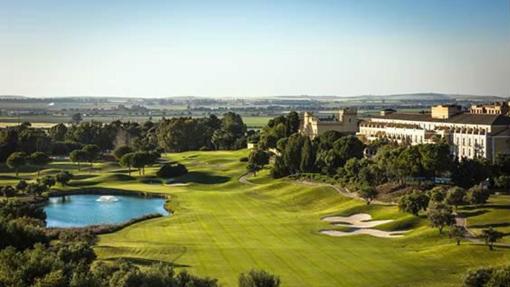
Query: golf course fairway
[221, 227]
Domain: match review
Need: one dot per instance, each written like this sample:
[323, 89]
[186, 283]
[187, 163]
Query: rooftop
[462, 118]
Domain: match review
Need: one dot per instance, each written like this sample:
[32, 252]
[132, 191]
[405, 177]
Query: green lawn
[256, 122]
[221, 227]
[496, 214]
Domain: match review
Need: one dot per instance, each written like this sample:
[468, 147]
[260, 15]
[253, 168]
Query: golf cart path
[342, 191]
[244, 178]
[462, 222]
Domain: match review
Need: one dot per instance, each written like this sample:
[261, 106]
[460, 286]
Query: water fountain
[107, 198]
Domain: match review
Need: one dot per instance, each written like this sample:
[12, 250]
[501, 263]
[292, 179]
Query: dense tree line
[212, 133]
[175, 134]
[86, 141]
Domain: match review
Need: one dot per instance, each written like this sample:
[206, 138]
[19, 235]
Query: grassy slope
[226, 228]
[222, 227]
[496, 214]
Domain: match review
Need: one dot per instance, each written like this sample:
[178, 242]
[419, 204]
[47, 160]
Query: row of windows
[467, 152]
[468, 142]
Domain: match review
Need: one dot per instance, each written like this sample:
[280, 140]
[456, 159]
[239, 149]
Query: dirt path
[244, 178]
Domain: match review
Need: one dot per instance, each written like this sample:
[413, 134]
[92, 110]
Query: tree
[437, 194]
[490, 236]
[121, 151]
[92, 153]
[502, 164]
[258, 278]
[257, 159]
[39, 159]
[16, 160]
[127, 161]
[307, 156]
[440, 215]
[279, 169]
[436, 158]
[478, 277]
[408, 163]
[500, 277]
[293, 123]
[478, 195]
[348, 147]
[7, 191]
[292, 153]
[8, 142]
[47, 181]
[503, 182]
[63, 177]
[457, 232]
[183, 134]
[468, 172]
[368, 193]
[414, 202]
[76, 118]
[168, 170]
[58, 132]
[139, 160]
[78, 156]
[36, 189]
[21, 185]
[456, 196]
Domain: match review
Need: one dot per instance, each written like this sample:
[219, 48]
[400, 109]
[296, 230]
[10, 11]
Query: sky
[244, 48]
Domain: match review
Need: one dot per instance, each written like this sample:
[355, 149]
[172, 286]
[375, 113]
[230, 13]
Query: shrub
[243, 159]
[456, 196]
[488, 276]
[7, 191]
[172, 170]
[120, 151]
[258, 278]
[478, 195]
[478, 277]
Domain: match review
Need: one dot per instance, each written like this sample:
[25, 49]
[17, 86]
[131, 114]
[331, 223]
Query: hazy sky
[247, 48]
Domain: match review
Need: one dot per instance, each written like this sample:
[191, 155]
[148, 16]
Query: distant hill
[399, 97]
[12, 97]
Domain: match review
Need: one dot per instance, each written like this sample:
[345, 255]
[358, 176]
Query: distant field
[221, 227]
[35, 125]
[45, 121]
[256, 122]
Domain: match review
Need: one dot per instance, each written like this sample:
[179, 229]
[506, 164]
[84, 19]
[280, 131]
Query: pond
[89, 209]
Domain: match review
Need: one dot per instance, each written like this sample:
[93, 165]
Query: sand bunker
[178, 184]
[372, 232]
[360, 220]
[362, 223]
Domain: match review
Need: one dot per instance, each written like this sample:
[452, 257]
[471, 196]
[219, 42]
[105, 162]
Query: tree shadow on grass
[145, 261]
[494, 206]
[494, 225]
[467, 214]
[202, 177]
